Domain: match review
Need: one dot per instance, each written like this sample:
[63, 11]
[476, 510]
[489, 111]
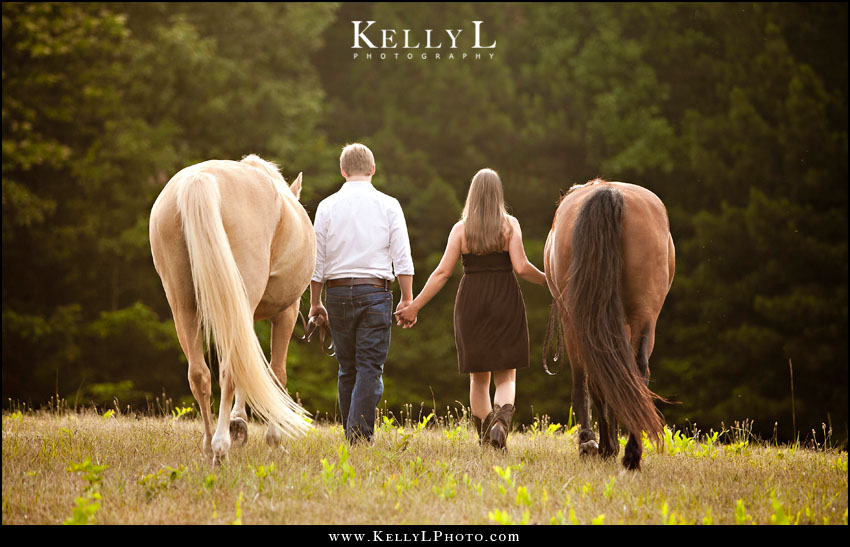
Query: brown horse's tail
[596, 316]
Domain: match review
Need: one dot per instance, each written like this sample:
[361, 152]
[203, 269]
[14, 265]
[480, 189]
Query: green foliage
[163, 479]
[87, 505]
[85, 509]
[179, 412]
[448, 490]
[779, 515]
[238, 520]
[403, 443]
[741, 516]
[338, 474]
[598, 520]
[559, 518]
[263, 472]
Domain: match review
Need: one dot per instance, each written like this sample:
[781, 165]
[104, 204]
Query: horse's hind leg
[255, 284]
[633, 453]
[221, 442]
[239, 422]
[609, 445]
[587, 444]
[282, 326]
[189, 336]
[643, 340]
[181, 299]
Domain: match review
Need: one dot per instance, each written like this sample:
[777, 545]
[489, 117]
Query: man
[361, 245]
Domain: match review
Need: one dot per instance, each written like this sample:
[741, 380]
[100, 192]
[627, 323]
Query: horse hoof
[632, 464]
[273, 436]
[238, 432]
[590, 448]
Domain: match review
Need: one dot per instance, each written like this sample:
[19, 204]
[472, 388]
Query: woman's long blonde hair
[484, 214]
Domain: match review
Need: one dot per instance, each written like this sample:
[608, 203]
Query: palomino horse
[609, 262]
[232, 245]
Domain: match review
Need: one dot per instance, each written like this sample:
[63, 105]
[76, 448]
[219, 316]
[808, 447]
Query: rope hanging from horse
[555, 330]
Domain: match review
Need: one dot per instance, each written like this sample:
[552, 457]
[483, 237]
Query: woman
[491, 332]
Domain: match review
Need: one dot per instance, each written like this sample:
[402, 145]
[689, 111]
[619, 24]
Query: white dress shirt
[361, 232]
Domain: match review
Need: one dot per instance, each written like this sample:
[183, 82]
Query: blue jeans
[360, 320]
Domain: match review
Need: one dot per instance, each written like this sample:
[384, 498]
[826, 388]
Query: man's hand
[318, 314]
[406, 314]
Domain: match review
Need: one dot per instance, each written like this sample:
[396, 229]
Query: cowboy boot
[482, 427]
[501, 425]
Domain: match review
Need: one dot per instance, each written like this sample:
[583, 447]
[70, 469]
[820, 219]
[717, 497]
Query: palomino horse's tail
[596, 316]
[223, 306]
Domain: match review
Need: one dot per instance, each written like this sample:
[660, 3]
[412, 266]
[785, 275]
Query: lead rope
[310, 328]
[555, 330]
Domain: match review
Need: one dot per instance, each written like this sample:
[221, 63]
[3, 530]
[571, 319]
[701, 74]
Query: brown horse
[609, 262]
[232, 245]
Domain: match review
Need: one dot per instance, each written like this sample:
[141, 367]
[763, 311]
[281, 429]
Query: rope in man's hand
[318, 323]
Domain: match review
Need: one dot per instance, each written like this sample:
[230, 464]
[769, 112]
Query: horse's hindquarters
[212, 234]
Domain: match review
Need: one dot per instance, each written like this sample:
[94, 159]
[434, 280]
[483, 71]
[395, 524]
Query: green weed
[337, 474]
[741, 516]
[238, 520]
[448, 490]
[87, 505]
[262, 472]
[179, 412]
[160, 481]
[598, 520]
[779, 515]
[608, 492]
[559, 518]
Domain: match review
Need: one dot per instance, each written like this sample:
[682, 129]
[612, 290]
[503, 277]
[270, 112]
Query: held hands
[406, 314]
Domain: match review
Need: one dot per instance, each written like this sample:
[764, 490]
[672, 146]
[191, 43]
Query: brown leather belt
[351, 281]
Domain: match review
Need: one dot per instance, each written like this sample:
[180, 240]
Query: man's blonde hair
[356, 159]
[486, 228]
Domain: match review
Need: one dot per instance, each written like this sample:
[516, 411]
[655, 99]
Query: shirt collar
[357, 185]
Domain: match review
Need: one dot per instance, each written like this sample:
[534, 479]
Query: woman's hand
[406, 316]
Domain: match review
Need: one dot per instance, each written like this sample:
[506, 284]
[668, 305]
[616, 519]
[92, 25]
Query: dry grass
[155, 474]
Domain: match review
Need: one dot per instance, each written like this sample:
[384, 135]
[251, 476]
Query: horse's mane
[576, 186]
[269, 168]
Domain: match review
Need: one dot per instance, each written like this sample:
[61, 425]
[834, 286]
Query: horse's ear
[296, 186]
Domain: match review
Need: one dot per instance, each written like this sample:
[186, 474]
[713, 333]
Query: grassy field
[85, 467]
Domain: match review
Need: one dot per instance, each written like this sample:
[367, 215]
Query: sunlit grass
[66, 467]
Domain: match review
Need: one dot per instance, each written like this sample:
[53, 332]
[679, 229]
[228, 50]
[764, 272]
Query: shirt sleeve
[399, 241]
[320, 226]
